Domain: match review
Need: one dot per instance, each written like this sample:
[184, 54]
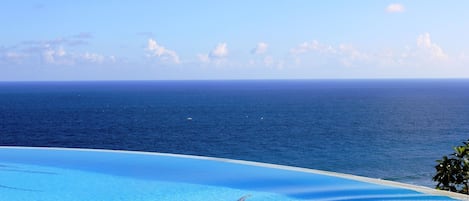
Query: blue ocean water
[389, 129]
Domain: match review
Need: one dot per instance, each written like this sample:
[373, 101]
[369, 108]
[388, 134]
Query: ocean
[388, 129]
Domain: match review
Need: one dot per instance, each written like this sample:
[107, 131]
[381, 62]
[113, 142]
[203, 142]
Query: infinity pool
[52, 174]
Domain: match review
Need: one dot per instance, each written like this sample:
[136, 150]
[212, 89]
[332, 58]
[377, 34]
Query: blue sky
[161, 40]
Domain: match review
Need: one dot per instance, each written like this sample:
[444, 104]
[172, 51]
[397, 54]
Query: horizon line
[247, 79]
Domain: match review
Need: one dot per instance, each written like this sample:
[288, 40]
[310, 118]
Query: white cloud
[156, 50]
[48, 56]
[345, 54]
[217, 55]
[56, 55]
[425, 43]
[395, 8]
[267, 62]
[424, 53]
[221, 50]
[261, 48]
[350, 55]
[94, 58]
[312, 46]
[305, 47]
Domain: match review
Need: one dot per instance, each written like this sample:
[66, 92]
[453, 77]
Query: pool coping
[421, 189]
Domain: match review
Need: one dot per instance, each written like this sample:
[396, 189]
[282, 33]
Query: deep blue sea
[389, 129]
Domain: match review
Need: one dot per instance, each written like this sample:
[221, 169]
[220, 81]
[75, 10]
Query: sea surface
[388, 129]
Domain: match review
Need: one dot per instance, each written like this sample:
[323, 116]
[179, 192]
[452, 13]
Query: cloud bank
[423, 52]
[53, 52]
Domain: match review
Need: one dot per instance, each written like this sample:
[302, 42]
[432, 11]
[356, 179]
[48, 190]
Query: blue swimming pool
[48, 174]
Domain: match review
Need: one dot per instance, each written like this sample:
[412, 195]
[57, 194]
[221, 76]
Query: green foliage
[452, 173]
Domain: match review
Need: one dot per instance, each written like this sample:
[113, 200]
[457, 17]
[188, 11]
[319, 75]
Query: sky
[243, 39]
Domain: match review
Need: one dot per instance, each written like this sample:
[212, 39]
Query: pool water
[46, 174]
